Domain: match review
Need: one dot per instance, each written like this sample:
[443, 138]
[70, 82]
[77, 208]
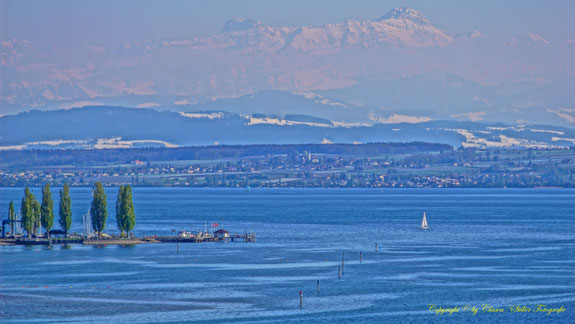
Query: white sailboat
[424, 222]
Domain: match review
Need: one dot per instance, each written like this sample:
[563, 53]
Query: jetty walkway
[248, 237]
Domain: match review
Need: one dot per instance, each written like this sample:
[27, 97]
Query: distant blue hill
[109, 127]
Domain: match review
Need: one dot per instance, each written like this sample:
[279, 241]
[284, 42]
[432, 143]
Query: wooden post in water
[300, 298]
[339, 272]
[375, 247]
[360, 257]
[317, 289]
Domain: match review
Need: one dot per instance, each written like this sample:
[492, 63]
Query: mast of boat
[87, 223]
[18, 227]
[424, 222]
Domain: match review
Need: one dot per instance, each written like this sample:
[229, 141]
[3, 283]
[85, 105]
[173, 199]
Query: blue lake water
[498, 247]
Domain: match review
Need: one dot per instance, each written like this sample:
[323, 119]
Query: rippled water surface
[499, 247]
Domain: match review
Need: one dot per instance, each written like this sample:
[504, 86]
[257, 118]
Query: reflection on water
[502, 247]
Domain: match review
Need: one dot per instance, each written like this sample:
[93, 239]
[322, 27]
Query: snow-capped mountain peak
[240, 24]
[405, 13]
[249, 56]
[471, 35]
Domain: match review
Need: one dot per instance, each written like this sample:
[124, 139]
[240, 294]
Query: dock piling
[375, 247]
[338, 272]
[300, 298]
[360, 257]
[317, 289]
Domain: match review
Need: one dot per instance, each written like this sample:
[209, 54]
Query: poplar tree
[128, 215]
[47, 210]
[27, 212]
[36, 207]
[11, 216]
[120, 210]
[65, 209]
[99, 210]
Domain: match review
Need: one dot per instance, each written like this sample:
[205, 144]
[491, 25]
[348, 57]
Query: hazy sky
[73, 21]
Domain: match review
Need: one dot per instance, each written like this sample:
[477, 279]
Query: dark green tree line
[34, 215]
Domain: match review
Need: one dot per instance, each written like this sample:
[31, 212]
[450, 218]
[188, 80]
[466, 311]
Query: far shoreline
[292, 188]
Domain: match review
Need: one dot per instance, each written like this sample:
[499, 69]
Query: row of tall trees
[125, 215]
[36, 215]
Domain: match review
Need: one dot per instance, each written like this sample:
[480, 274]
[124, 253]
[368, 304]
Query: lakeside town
[303, 167]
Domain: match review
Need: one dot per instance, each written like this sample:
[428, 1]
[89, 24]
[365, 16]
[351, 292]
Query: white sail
[424, 221]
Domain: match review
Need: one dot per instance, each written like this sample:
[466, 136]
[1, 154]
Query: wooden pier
[251, 237]
[248, 237]
[112, 242]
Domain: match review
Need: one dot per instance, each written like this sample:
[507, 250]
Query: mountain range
[353, 72]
